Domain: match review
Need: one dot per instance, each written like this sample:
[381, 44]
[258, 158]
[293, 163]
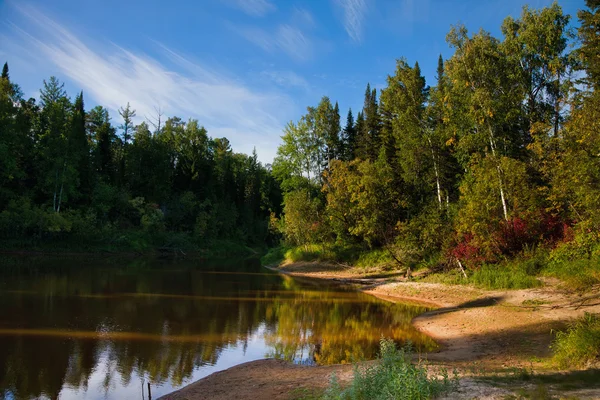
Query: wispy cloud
[114, 76]
[288, 79]
[286, 38]
[255, 8]
[354, 12]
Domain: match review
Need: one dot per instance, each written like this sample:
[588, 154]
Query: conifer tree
[349, 138]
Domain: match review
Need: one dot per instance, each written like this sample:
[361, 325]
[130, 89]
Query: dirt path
[479, 331]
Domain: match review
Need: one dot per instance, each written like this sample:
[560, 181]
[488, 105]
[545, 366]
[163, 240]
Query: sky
[242, 68]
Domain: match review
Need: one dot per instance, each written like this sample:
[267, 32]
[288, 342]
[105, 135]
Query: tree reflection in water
[63, 320]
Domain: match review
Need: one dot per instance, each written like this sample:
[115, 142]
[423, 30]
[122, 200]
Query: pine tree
[332, 141]
[127, 114]
[5, 71]
[80, 149]
[349, 138]
[361, 146]
[368, 137]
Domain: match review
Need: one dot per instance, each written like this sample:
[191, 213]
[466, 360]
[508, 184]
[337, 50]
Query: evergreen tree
[80, 149]
[349, 138]
[5, 71]
[361, 147]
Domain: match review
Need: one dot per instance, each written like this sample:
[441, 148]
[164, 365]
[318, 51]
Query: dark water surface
[102, 329]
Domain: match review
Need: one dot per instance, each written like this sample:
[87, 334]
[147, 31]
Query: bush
[579, 345]
[392, 377]
[274, 256]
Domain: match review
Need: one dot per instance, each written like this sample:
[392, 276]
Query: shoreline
[477, 330]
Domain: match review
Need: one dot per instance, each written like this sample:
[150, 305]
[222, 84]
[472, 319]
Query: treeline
[501, 155]
[71, 175]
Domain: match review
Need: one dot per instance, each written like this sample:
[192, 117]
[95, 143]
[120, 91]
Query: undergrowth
[393, 376]
[579, 345]
[503, 276]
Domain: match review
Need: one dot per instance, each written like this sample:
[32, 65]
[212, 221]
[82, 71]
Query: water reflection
[100, 329]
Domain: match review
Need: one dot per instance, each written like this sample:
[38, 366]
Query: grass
[579, 345]
[491, 277]
[393, 376]
[576, 274]
[497, 277]
[339, 253]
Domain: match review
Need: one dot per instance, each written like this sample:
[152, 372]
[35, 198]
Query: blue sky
[243, 68]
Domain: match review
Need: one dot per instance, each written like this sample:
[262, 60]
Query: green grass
[491, 277]
[376, 258]
[393, 376]
[576, 274]
[502, 277]
[579, 345]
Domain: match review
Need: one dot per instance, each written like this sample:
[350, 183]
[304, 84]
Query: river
[103, 328]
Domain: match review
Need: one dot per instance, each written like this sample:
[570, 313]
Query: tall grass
[503, 277]
[579, 345]
[576, 274]
[392, 377]
[492, 277]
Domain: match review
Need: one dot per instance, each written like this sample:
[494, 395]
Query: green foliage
[381, 258]
[579, 345]
[393, 376]
[70, 175]
[304, 222]
[576, 262]
[274, 256]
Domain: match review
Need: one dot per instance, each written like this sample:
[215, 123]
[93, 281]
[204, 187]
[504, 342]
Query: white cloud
[255, 8]
[354, 12]
[114, 76]
[287, 79]
[286, 38]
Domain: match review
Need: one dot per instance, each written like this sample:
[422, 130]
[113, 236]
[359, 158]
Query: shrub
[392, 377]
[579, 345]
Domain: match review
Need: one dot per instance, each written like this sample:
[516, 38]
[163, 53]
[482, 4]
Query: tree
[128, 114]
[590, 42]
[5, 71]
[368, 141]
[482, 83]
[80, 148]
[404, 101]
[535, 47]
[57, 171]
[296, 163]
[349, 138]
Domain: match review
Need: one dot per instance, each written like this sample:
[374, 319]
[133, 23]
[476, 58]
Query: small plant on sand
[393, 376]
[579, 345]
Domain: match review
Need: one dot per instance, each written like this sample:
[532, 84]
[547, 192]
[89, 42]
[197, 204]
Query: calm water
[81, 329]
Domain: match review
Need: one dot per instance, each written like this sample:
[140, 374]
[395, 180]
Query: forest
[70, 177]
[497, 160]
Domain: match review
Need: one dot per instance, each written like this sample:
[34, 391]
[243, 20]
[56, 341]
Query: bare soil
[481, 334]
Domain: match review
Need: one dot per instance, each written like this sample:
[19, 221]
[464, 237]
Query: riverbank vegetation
[491, 173]
[73, 179]
[393, 376]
